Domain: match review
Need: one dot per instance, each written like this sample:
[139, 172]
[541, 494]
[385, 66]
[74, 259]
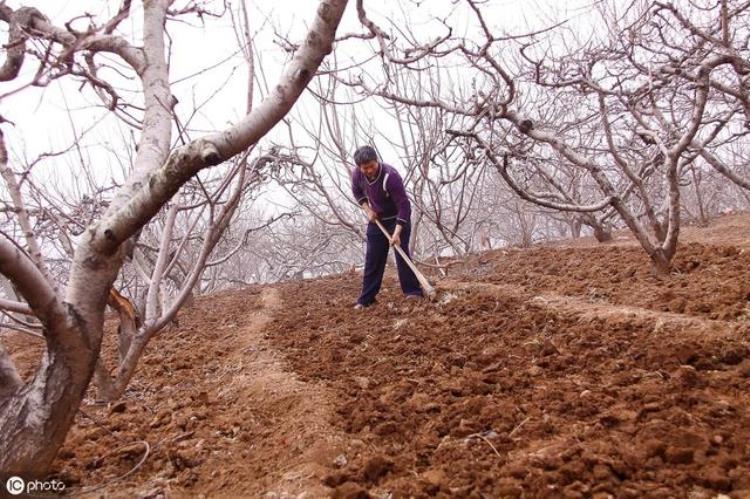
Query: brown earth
[565, 371]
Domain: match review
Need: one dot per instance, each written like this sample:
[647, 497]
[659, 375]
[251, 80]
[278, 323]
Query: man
[378, 188]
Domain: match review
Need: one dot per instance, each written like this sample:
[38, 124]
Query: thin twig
[146, 453]
[510, 435]
[477, 435]
[87, 490]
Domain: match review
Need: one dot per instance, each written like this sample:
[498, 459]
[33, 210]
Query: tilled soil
[707, 280]
[217, 409]
[494, 394]
[570, 371]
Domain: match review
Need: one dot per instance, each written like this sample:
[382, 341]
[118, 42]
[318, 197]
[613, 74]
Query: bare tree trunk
[661, 262]
[35, 418]
[702, 218]
[575, 227]
[10, 381]
[602, 233]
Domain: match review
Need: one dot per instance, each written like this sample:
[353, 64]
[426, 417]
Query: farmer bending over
[378, 188]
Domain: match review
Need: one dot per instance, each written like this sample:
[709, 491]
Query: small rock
[362, 382]
[434, 476]
[340, 461]
[535, 370]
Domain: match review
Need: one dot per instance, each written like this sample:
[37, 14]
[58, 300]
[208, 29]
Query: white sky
[42, 123]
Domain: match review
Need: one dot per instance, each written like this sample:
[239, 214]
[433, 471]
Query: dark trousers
[376, 257]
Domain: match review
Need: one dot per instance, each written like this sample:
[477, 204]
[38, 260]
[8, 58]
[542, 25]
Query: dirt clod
[376, 468]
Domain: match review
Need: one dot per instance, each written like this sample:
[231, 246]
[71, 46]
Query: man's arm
[371, 215]
[397, 191]
[360, 196]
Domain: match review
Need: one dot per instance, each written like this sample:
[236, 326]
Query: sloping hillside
[564, 371]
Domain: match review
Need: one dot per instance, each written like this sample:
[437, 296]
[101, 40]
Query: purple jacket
[386, 194]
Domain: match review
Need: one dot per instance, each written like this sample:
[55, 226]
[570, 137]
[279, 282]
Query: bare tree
[36, 416]
[629, 109]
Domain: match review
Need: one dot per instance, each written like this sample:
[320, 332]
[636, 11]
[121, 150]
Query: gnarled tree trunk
[35, 417]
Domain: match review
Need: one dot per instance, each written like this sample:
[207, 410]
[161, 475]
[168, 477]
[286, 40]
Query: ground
[565, 370]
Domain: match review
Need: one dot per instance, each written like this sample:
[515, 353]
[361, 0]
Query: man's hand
[371, 215]
[396, 237]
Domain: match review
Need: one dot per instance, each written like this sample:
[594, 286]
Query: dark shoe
[359, 306]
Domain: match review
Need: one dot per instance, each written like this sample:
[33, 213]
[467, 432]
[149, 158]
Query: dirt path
[298, 445]
[220, 410]
[600, 310]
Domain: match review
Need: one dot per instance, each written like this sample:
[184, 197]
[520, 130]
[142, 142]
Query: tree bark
[602, 234]
[10, 381]
[35, 418]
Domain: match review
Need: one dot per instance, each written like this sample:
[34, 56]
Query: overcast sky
[42, 123]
